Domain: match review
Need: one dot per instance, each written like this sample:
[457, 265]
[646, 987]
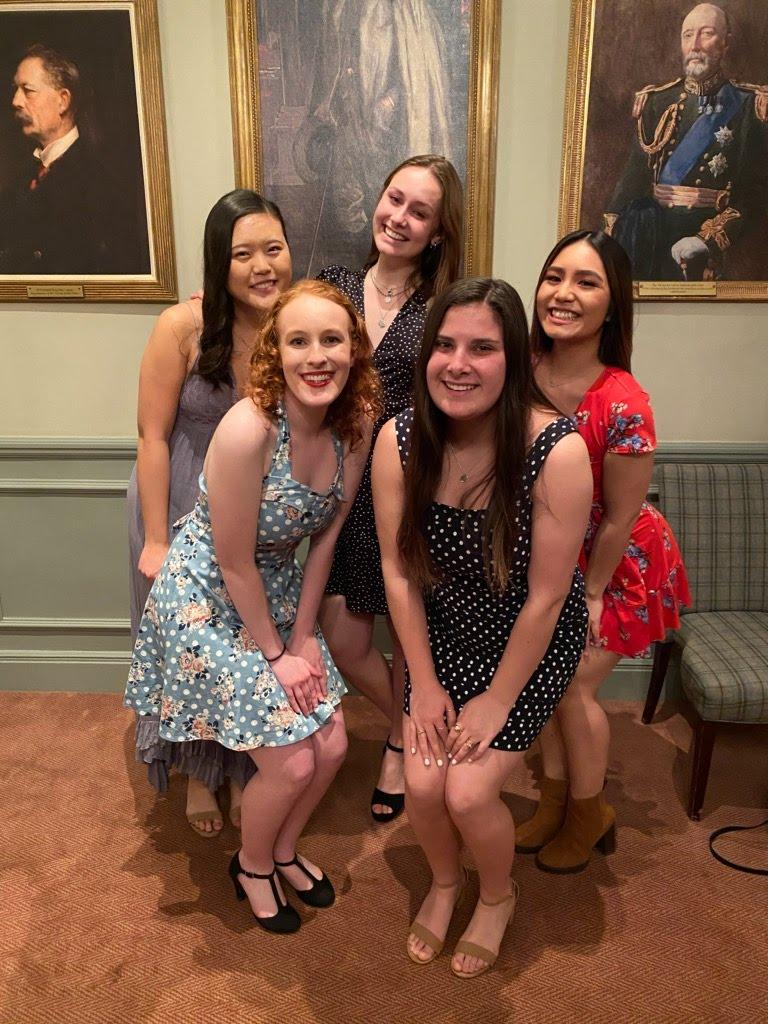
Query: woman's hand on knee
[300, 680]
[432, 715]
[479, 722]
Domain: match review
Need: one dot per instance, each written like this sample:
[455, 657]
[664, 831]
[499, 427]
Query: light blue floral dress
[195, 665]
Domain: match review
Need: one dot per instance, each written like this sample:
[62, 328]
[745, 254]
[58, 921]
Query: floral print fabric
[195, 665]
[649, 586]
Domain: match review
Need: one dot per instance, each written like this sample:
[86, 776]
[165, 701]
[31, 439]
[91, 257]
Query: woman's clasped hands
[437, 734]
[300, 670]
[480, 720]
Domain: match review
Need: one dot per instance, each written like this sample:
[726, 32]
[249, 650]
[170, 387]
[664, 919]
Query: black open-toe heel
[286, 919]
[394, 800]
[320, 894]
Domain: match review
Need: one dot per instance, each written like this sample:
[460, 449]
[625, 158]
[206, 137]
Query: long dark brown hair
[218, 307]
[439, 265]
[429, 436]
[615, 348]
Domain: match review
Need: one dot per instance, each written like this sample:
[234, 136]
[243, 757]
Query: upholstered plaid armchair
[718, 514]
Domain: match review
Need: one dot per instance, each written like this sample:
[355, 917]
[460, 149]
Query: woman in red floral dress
[634, 575]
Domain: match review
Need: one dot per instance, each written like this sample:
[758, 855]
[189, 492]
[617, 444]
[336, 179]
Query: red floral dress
[644, 596]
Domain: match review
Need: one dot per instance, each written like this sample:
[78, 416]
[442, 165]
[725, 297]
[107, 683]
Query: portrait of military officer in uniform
[668, 148]
[64, 212]
[697, 176]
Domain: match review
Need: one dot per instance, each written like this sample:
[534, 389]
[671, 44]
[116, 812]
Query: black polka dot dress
[356, 570]
[469, 625]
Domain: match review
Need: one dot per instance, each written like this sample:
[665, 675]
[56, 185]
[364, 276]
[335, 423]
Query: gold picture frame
[482, 75]
[613, 57]
[118, 244]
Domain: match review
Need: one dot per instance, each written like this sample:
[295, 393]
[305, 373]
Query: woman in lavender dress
[193, 370]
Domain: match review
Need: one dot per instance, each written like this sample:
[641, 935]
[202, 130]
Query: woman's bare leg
[583, 725]
[349, 636]
[330, 746]
[473, 800]
[268, 799]
[429, 818]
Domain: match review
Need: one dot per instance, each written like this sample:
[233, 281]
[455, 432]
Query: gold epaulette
[642, 95]
[761, 98]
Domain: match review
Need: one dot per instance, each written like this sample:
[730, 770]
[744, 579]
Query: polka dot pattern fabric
[469, 625]
[356, 570]
[195, 665]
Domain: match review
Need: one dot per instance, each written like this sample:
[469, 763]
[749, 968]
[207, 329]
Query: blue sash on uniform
[701, 135]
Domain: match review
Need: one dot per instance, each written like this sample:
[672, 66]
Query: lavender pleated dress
[201, 407]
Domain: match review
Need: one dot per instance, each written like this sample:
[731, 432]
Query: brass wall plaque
[54, 291]
[677, 289]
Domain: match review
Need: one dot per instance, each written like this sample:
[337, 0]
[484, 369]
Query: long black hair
[519, 394]
[218, 307]
[615, 347]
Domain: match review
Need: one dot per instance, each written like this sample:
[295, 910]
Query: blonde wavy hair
[361, 397]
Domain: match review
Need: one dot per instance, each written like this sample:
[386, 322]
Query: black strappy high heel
[286, 919]
[320, 894]
[394, 800]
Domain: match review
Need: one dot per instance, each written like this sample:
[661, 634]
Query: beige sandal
[195, 816]
[481, 952]
[210, 813]
[423, 933]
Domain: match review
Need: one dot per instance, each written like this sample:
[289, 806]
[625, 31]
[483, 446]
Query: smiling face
[574, 297]
[704, 40]
[315, 347]
[260, 264]
[42, 110]
[465, 372]
[407, 217]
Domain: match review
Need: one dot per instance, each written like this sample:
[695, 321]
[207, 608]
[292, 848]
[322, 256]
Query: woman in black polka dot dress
[415, 254]
[482, 492]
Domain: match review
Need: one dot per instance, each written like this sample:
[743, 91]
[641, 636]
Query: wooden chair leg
[703, 743]
[661, 655]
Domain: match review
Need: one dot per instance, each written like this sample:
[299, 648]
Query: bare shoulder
[181, 323]
[566, 471]
[386, 442]
[244, 431]
[570, 450]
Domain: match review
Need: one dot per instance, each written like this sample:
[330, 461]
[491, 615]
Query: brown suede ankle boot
[589, 823]
[548, 818]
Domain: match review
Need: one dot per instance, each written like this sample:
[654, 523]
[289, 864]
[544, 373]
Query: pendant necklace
[387, 295]
[463, 474]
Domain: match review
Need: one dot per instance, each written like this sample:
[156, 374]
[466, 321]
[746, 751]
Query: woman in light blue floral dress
[228, 648]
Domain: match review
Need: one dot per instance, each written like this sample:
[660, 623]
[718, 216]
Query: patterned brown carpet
[113, 910]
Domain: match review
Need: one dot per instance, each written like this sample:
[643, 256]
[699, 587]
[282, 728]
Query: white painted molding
[19, 624]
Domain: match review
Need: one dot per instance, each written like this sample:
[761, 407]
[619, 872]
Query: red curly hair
[361, 396]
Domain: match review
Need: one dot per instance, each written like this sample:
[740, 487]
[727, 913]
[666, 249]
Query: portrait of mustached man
[64, 211]
[695, 186]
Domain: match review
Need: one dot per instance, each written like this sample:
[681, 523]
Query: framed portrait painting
[328, 97]
[666, 141]
[85, 210]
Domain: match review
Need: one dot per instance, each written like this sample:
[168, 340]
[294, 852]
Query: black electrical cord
[732, 863]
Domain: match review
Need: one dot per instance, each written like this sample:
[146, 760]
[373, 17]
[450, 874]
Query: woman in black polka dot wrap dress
[415, 254]
[481, 494]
